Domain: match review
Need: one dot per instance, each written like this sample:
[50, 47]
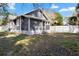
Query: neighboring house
[65, 21]
[34, 22]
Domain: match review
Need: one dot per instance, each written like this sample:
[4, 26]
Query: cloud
[64, 9]
[67, 9]
[72, 8]
[11, 5]
[54, 6]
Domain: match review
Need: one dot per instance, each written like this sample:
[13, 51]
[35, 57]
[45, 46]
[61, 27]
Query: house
[65, 21]
[34, 22]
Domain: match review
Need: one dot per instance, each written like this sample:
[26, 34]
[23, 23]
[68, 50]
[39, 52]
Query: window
[34, 24]
[24, 24]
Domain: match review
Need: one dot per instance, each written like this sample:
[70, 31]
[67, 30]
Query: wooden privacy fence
[66, 29]
[54, 29]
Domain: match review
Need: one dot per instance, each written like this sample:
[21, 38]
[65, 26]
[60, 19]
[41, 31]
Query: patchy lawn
[46, 45]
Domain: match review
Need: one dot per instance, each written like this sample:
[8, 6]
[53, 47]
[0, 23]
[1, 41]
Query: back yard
[36, 45]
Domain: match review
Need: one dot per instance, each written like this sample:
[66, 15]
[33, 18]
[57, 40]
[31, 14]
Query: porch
[30, 25]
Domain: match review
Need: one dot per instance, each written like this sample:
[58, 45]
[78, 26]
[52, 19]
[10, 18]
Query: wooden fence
[67, 29]
[55, 29]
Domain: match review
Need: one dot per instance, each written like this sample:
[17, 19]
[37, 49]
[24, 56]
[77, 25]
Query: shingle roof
[45, 14]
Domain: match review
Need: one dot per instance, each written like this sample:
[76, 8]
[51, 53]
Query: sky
[65, 9]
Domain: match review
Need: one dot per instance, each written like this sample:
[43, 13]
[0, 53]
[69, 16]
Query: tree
[3, 9]
[77, 11]
[58, 19]
[73, 20]
[4, 12]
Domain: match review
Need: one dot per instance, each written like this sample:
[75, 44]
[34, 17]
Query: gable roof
[48, 16]
[45, 14]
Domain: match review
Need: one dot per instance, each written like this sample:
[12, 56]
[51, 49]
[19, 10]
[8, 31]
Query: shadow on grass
[3, 33]
[7, 44]
[35, 45]
[43, 45]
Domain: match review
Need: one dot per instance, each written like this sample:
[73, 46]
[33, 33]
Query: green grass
[3, 33]
[39, 44]
[71, 44]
